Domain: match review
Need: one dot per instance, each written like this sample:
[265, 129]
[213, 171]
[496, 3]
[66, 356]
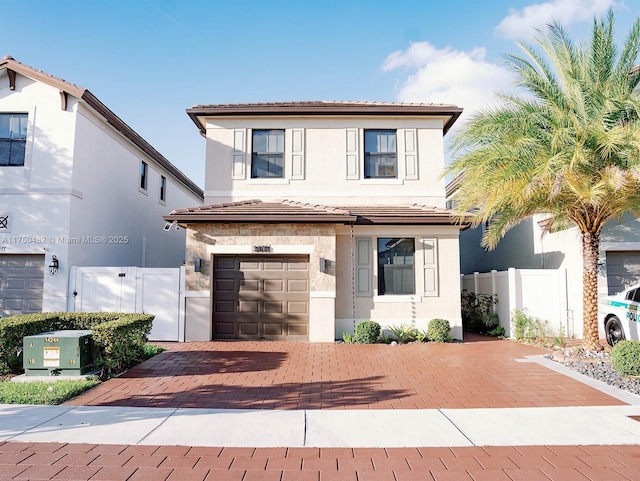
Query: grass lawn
[43, 392]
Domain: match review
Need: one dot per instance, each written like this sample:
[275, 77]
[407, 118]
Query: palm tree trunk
[590, 247]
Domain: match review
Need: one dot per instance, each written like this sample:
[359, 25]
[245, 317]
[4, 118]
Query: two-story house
[78, 187]
[319, 215]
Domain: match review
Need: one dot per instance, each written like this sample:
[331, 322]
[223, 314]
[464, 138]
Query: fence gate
[130, 289]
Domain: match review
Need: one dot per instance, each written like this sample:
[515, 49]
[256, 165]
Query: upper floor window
[380, 154]
[144, 175]
[267, 159]
[163, 188]
[396, 260]
[13, 138]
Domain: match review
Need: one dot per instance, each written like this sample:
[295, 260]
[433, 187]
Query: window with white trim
[380, 158]
[144, 175]
[163, 188]
[267, 154]
[396, 266]
[13, 139]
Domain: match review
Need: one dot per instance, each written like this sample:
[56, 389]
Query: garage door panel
[273, 329]
[249, 265]
[248, 329]
[225, 329]
[297, 285]
[273, 307]
[225, 306]
[19, 263]
[297, 329]
[14, 304]
[298, 308]
[298, 266]
[33, 305]
[225, 285]
[15, 283]
[250, 285]
[35, 283]
[249, 306]
[226, 263]
[273, 293]
[273, 285]
[274, 266]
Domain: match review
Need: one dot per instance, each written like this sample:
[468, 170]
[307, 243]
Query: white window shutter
[239, 153]
[353, 156]
[363, 267]
[430, 256]
[297, 154]
[411, 154]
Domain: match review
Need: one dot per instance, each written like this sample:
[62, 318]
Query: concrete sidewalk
[311, 428]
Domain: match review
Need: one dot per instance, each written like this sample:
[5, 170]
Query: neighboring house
[319, 215]
[526, 247]
[78, 187]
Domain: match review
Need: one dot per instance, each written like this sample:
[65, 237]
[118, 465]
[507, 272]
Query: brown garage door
[21, 283]
[623, 270]
[261, 297]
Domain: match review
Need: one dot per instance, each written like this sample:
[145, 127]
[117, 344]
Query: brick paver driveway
[287, 375]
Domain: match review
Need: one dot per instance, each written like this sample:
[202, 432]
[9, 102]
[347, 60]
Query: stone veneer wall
[204, 238]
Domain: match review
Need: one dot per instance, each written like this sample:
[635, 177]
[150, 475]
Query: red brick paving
[545, 463]
[281, 375]
[272, 375]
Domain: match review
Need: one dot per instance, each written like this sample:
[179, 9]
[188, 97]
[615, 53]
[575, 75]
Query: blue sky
[149, 60]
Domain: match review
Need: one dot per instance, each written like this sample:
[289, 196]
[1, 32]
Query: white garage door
[21, 283]
[623, 270]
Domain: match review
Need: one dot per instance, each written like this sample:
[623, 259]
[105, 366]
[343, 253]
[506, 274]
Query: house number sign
[261, 248]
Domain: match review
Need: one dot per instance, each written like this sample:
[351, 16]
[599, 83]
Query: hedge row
[119, 337]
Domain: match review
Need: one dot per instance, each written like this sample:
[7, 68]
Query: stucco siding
[396, 310]
[324, 149]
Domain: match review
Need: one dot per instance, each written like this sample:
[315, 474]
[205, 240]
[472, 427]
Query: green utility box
[58, 353]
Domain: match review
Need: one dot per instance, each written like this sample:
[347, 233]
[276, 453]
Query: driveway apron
[479, 373]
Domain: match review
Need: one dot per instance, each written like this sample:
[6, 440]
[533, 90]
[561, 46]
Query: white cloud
[521, 24]
[448, 76]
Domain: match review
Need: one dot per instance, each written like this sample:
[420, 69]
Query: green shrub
[490, 320]
[438, 330]
[421, 335]
[347, 338]
[498, 331]
[477, 311]
[530, 329]
[403, 333]
[625, 358]
[118, 337]
[367, 332]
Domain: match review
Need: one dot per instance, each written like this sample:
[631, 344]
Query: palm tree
[568, 148]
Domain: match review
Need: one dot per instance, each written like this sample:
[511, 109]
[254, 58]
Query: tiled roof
[323, 107]
[320, 104]
[256, 211]
[9, 63]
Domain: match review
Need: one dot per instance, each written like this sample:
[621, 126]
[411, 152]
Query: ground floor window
[396, 265]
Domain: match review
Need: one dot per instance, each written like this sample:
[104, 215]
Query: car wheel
[613, 330]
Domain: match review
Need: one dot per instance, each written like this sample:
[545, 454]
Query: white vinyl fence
[131, 289]
[541, 292]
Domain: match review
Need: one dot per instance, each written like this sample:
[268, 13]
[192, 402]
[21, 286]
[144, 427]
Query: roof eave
[200, 112]
[258, 219]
